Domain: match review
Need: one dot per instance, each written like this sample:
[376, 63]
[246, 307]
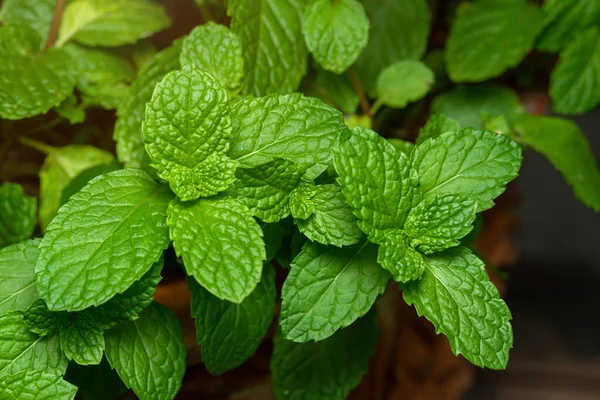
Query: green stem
[376, 106]
[35, 144]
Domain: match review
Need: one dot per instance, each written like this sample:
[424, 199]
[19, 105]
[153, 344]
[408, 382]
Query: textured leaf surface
[456, 294]
[220, 243]
[301, 204]
[403, 82]
[17, 214]
[104, 239]
[42, 321]
[82, 340]
[575, 82]
[488, 37]
[328, 289]
[476, 164]
[272, 44]
[230, 333]
[300, 129]
[132, 111]
[435, 126]
[35, 14]
[376, 181]
[110, 22]
[399, 31]
[36, 385]
[149, 354]
[566, 19]
[335, 32]
[17, 276]
[397, 256]
[216, 50]
[325, 370]
[186, 132]
[563, 143]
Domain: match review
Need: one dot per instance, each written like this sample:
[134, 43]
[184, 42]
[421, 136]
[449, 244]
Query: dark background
[553, 291]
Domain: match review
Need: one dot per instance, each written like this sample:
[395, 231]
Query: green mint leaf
[325, 370]
[398, 257]
[468, 105]
[17, 269]
[38, 385]
[95, 382]
[132, 110]
[82, 340]
[474, 52]
[272, 44]
[110, 23]
[42, 321]
[402, 146]
[265, 189]
[70, 110]
[273, 237]
[229, 333]
[149, 353]
[435, 126]
[91, 236]
[335, 32]
[187, 131]
[32, 83]
[440, 222]
[331, 220]
[566, 19]
[35, 14]
[403, 82]
[21, 349]
[498, 124]
[575, 82]
[563, 143]
[215, 49]
[335, 90]
[376, 180]
[82, 179]
[17, 214]
[301, 204]
[476, 164]
[399, 31]
[456, 295]
[300, 129]
[328, 289]
[220, 243]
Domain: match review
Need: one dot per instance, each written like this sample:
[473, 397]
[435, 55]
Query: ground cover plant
[339, 144]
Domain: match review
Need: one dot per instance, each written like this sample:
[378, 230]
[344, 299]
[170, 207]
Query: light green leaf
[566, 19]
[17, 276]
[84, 177]
[435, 126]
[132, 111]
[399, 31]
[456, 295]
[376, 180]
[335, 32]
[114, 227]
[31, 83]
[70, 110]
[575, 82]
[272, 44]
[36, 385]
[469, 104]
[149, 353]
[82, 340]
[335, 90]
[398, 257]
[403, 82]
[325, 370]
[17, 214]
[328, 289]
[489, 37]
[220, 243]
[300, 129]
[265, 189]
[331, 220]
[563, 143]
[216, 50]
[21, 349]
[301, 204]
[186, 132]
[476, 164]
[229, 333]
[402, 146]
[35, 14]
[110, 23]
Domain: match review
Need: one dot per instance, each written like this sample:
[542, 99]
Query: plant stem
[56, 18]
[39, 146]
[364, 103]
[376, 106]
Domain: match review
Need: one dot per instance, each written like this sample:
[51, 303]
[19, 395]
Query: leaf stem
[364, 103]
[56, 18]
[377, 105]
[39, 146]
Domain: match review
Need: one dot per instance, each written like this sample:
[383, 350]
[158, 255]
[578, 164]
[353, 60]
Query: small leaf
[565, 20]
[403, 82]
[436, 125]
[398, 257]
[38, 385]
[301, 200]
[17, 269]
[335, 90]
[402, 146]
[149, 353]
[42, 321]
[17, 214]
[70, 110]
[35, 14]
[82, 340]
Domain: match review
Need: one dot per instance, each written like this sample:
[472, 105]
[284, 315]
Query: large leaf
[36, 385]
[35, 14]
[566, 19]
[17, 276]
[17, 214]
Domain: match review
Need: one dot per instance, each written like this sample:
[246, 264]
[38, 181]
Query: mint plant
[242, 157]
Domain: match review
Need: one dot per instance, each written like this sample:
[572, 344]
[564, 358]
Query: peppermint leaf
[325, 370]
[17, 269]
[215, 49]
[92, 237]
[474, 51]
[328, 289]
[148, 353]
[456, 295]
[435, 126]
[82, 340]
[186, 132]
[230, 333]
[220, 243]
[402, 146]
[403, 82]
[301, 200]
[335, 90]
[35, 14]
[566, 19]
[17, 214]
[297, 128]
[335, 32]
[398, 257]
[38, 385]
[71, 111]
[272, 45]
[42, 321]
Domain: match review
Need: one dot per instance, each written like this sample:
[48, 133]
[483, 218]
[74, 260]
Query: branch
[364, 103]
[56, 18]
